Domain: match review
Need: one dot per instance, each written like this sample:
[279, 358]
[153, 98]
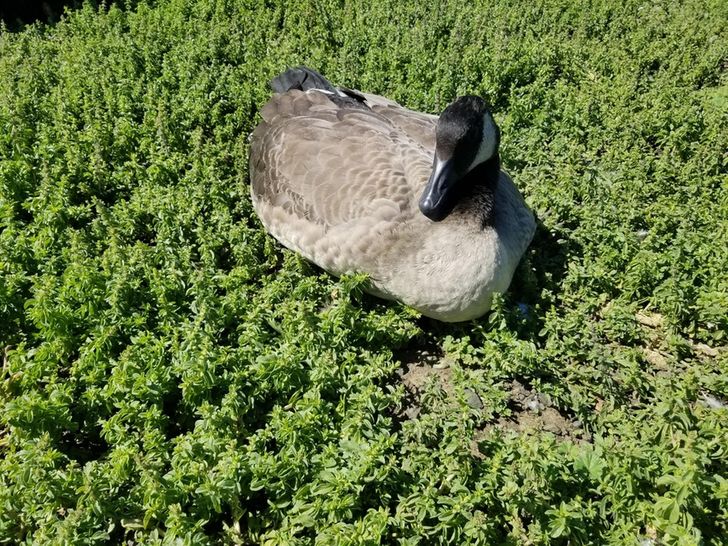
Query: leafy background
[171, 375]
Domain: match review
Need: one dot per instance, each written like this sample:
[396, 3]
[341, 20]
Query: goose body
[348, 180]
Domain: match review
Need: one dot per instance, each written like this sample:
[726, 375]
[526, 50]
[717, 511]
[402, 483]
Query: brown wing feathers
[337, 164]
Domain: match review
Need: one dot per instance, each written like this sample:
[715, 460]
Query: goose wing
[332, 163]
[418, 126]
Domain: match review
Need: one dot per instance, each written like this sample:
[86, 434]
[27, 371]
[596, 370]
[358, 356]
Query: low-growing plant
[172, 375]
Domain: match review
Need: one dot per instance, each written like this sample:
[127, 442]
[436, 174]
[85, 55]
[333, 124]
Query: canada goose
[348, 180]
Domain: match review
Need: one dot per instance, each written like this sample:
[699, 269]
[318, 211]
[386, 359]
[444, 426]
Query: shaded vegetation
[19, 13]
[170, 372]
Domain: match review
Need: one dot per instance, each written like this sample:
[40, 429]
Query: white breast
[450, 270]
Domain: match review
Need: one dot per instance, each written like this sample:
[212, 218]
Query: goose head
[466, 138]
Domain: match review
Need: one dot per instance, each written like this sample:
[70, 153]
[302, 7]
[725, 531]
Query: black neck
[478, 187]
[485, 174]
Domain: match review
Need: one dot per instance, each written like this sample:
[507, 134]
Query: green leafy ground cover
[171, 375]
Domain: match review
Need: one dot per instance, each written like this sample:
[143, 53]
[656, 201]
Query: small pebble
[712, 402]
[473, 399]
[443, 364]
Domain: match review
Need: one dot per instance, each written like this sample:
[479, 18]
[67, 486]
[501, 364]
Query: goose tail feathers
[302, 78]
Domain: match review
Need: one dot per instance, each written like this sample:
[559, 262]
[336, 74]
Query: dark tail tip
[301, 78]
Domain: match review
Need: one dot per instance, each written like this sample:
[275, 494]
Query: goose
[355, 182]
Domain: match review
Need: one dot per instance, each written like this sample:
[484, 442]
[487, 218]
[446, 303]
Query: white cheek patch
[487, 142]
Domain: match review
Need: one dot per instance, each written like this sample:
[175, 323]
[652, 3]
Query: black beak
[436, 201]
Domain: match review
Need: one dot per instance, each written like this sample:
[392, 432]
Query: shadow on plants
[17, 14]
[84, 445]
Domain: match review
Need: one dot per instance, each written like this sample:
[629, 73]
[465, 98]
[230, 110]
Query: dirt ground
[531, 412]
